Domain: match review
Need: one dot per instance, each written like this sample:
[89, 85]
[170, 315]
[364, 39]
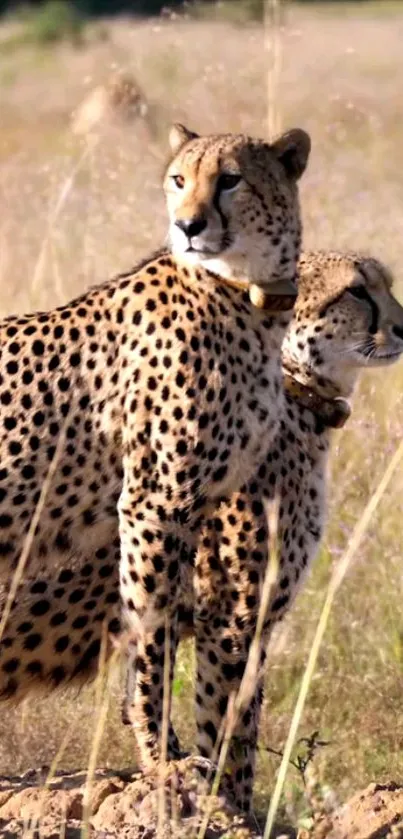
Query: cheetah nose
[191, 226]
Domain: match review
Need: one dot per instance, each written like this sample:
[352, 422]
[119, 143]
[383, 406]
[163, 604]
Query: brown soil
[125, 805]
[374, 813]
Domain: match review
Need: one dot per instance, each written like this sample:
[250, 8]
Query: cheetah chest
[254, 421]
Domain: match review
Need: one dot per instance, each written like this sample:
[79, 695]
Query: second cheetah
[345, 319]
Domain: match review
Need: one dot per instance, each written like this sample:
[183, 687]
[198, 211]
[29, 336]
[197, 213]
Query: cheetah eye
[228, 181]
[178, 180]
[361, 293]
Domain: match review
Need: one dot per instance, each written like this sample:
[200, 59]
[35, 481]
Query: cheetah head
[233, 203]
[345, 318]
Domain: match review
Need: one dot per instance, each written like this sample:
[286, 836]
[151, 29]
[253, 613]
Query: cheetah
[126, 413]
[345, 319]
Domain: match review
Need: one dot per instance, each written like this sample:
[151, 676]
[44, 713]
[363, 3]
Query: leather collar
[332, 412]
[267, 301]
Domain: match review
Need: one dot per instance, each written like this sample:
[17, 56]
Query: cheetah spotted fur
[126, 413]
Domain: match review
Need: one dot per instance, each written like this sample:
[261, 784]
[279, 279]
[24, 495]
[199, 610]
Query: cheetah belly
[78, 516]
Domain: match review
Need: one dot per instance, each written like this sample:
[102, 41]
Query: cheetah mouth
[203, 250]
[384, 358]
[206, 252]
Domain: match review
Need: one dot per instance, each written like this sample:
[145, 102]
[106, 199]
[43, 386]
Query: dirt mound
[375, 813]
[120, 805]
[128, 805]
[118, 102]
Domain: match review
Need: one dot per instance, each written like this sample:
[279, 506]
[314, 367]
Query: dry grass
[71, 214]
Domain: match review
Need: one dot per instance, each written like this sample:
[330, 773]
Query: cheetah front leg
[153, 555]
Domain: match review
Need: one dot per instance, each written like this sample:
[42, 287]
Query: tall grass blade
[337, 578]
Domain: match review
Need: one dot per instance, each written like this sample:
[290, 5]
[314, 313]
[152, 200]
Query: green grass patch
[48, 23]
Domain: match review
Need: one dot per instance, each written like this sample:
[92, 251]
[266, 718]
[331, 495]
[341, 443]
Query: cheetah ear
[292, 150]
[178, 136]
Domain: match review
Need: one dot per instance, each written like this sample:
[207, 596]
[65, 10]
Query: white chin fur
[218, 265]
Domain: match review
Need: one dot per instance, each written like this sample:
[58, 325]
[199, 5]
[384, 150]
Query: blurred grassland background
[75, 209]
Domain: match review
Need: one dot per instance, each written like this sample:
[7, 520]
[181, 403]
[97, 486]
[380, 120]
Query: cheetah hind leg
[221, 662]
[173, 742]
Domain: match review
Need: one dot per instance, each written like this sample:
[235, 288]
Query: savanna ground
[73, 212]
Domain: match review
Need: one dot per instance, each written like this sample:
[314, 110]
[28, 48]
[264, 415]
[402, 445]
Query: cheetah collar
[280, 298]
[333, 413]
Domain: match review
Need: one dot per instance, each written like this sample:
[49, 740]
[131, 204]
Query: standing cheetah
[345, 319]
[125, 413]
